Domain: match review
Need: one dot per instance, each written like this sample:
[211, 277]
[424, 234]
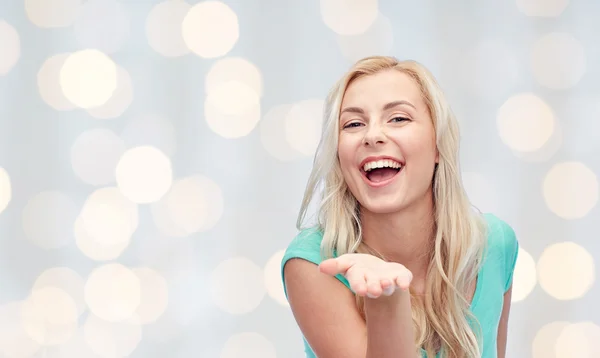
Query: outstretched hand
[368, 275]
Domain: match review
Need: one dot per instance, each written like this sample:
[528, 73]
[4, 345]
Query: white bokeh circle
[558, 61]
[48, 82]
[49, 316]
[144, 174]
[566, 271]
[113, 292]
[10, 47]
[272, 134]
[210, 29]
[52, 13]
[525, 276]
[378, 38]
[303, 125]
[542, 8]
[578, 340]
[5, 189]
[65, 279]
[106, 224]
[273, 281]
[120, 100]
[349, 17]
[163, 28]
[544, 341]
[234, 69]
[571, 190]
[525, 122]
[112, 339]
[88, 78]
[232, 109]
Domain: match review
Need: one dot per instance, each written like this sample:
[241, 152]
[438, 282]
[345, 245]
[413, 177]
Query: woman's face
[386, 146]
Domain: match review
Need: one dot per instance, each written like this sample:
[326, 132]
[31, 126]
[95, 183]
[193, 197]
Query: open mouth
[381, 172]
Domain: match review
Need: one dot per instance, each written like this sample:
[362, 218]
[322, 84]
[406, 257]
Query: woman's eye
[353, 124]
[399, 119]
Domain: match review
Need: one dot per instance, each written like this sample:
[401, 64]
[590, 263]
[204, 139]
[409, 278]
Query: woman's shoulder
[499, 232]
[305, 245]
[503, 246]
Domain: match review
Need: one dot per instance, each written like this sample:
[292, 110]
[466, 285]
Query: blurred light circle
[571, 190]
[542, 8]
[558, 61]
[108, 217]
[144, 174]
[377, 38]
[194, 204]
[65, 279]
[272, 134]
[14, 340]
[303, 125]
[524, 277]
[349, 17]
[273, 280]
[50, 316]
[210, 29]
[10, 47]
[154, 296]
[52, 13]
[5, 189]
[88, 78]
[113, 292]
[98, 248]
[112, 339]
[48, 81]
[525, 122]
[232, 109]
[566, 271]
[120, 100]
[234, 69]
[163, 28]
[578, 340]
[545, 339]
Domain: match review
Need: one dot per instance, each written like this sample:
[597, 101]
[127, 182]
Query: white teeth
[386, 163]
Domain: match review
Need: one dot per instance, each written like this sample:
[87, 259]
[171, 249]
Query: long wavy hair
[442, 319]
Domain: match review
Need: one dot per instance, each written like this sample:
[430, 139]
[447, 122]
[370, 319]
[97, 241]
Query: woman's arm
[503, 325]
[326, 313]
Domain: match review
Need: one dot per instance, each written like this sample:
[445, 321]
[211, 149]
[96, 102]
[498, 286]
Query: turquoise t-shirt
[493, 280]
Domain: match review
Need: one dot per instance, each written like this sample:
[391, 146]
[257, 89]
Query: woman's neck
[405, 237]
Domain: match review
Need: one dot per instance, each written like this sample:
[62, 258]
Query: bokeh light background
[153, 156]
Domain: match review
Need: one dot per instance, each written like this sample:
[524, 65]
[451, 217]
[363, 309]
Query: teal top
[493, 280]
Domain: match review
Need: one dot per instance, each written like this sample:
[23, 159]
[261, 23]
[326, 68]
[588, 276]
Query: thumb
[336, 266]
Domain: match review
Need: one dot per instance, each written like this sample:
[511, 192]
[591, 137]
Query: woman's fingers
[337, 266]
[357, 282]
[374, 288]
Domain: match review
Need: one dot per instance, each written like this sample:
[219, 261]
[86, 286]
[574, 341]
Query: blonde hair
[441, 318]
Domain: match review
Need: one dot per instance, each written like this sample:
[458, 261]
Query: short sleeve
[511, 253]
[307, 246]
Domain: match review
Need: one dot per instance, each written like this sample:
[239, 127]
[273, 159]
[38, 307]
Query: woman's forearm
[390, 331]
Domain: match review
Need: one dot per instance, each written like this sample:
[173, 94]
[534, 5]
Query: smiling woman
[406, 265]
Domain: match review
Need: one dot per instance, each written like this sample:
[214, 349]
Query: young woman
[399, 264]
